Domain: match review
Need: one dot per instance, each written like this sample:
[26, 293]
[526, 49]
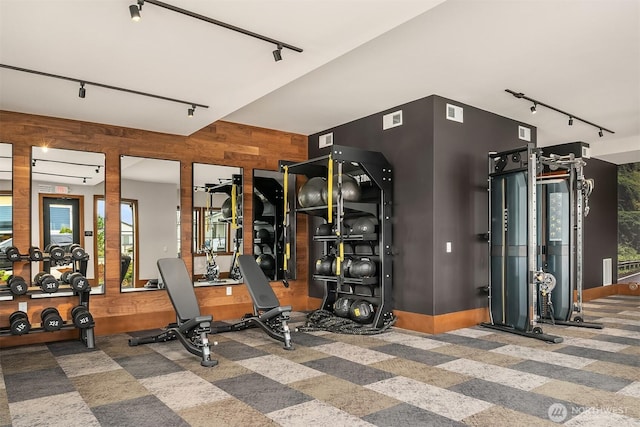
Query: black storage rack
[378, 172]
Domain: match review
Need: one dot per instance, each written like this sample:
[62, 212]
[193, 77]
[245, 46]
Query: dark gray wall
[461, 201]
[601, 225]
[440, 175]
[409, 148]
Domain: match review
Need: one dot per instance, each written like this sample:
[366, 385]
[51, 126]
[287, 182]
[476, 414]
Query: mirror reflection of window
[149, 227]
[128, 246]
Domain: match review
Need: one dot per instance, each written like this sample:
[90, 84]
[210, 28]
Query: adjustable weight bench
[192, 328]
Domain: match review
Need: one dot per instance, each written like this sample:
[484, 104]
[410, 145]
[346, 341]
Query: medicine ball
[311, 192]
[361, 311]
[325, 229]
[363, 225]
[266, 262]
[345, 266]
[264, 235]
[323, 265]
[363, 267]
[350, 189]
[341, 306]
[226, 208]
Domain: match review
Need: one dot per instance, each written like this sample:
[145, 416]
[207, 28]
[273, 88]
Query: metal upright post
[532, 233]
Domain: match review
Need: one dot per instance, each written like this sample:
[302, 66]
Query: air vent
[524, 133]
[325, 140]
[455, 113]
[607, 273]
[392, 120]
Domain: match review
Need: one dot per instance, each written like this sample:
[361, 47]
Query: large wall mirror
[6, 210]
[149, 219]
[217, 224]
[67, 207]
[273, 237]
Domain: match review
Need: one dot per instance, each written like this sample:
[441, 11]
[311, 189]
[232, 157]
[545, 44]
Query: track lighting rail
[572, 117]
[83, 82]
[219, 23]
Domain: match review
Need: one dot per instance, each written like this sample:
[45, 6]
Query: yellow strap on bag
[234, 218]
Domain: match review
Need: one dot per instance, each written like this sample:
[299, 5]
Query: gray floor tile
[518, 400]
[617, 340]
[308, 340]
[409, 416]
[427, 357]
[577, 376]
[261, 393]
[350, 371]
[20, 386]
[605, 356]
[128, 413]
[234, 350]
[149, 365]
[64, 348]
[467, 341]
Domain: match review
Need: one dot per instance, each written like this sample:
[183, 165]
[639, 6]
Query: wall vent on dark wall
[455, 113]
[392, 120]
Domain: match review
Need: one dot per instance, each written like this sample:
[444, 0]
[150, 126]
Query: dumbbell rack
[86, 334]
[375, 168]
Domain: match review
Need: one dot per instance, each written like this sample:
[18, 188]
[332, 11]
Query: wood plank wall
[221, 143]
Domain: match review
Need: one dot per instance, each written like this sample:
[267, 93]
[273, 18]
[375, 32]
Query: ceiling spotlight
[135, 9]
[600, 134]
[191, 110]
[82, 92]
[533, 108]
[570, 121]
[277, 54]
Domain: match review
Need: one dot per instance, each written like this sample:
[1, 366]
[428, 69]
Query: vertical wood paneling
[220, 143]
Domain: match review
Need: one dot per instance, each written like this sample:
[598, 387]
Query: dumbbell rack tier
[87, 334]
[375, 167]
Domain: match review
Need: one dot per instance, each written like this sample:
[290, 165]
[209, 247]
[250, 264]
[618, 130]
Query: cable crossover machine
[537, 204]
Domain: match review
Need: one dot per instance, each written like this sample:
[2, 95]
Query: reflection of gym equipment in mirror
[537, 202]
[270, 243]
[149, 218]
[65, 184]
[217, 224]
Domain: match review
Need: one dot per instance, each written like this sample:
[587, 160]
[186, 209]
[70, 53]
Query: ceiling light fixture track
[84, 82]
[572, 117]
[135, 9]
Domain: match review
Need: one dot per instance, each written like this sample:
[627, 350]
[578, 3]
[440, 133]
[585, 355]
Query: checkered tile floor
[471, 376]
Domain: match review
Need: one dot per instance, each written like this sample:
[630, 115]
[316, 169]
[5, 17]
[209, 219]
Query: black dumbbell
[17, 285]
[35, 254]
[13, 254]
[81, 317]
[55, 252]
[77, 281]
[76, 251]
[47, 282]
[19, 322]
[51, 319]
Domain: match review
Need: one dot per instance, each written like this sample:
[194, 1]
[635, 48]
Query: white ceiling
[360, 57]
